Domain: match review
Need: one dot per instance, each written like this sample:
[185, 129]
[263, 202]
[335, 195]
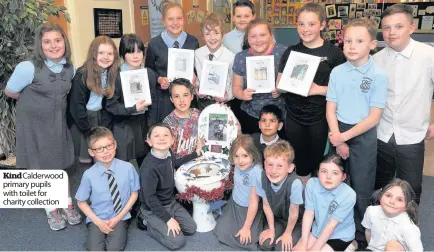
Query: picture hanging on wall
[108, 22]
[331, 11]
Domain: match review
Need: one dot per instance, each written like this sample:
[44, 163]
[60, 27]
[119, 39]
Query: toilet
[219, 127]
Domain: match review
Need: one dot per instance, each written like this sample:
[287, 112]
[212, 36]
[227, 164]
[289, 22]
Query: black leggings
[309, 142]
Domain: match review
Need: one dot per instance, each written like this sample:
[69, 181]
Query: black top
[311, 110]
[157, 182]
[116, 105]
[77, 100]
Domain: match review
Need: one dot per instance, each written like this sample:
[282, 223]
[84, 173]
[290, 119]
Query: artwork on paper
[217, 130]
[135, 87]
[213, 78]
[260, 73]
[180, 64]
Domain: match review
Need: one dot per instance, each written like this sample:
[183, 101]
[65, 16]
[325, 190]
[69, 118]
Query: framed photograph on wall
[300, 69]
[135, 87]
[260, 73]
[180, 64]
[108, 22]
[213, 78]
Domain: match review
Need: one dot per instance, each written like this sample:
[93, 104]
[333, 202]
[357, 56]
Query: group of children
[345, 103]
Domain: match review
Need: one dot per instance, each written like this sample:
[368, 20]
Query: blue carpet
[27, 229]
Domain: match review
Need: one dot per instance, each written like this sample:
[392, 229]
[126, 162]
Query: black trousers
[403, 161]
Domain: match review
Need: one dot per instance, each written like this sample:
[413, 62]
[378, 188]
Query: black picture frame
[108, 22]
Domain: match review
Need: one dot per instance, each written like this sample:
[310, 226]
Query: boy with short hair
[270, 122]
[405, 122]
[183, 120]
[167, 221]
[212, 31]
[282, 195]
[356, 96]
[243, 13]
[112, 187]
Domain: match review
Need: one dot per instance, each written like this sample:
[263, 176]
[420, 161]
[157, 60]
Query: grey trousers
[279, 229]
[157, 228]
[114, 241]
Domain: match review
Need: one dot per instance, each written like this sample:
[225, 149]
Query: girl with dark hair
[93, 83]
[392, 225]
[41, 86]
[131, 124]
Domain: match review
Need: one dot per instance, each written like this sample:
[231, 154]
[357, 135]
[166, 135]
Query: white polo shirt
[383, 229]
[409, 93]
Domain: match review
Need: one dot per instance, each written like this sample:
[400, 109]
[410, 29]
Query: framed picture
[108, 22]
[213, 78]
[359, 14]
[300, 69]
[372, 6]
[335, 24]
[343, 11]
[330, 11]
[135, 87]
[260, 73]
[180, 64]
[360, 6]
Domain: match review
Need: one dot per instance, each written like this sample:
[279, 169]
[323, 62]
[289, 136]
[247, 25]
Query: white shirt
[383, 229]
[409, 93]
[223, 55]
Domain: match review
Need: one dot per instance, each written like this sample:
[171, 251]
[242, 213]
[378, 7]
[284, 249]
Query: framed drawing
[180, 64]
[214, 78]
[135, 87]
[299, 72]
[260, 73]
[108, 22]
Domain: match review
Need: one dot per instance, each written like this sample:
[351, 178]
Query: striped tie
[114, 191]
[176, 44]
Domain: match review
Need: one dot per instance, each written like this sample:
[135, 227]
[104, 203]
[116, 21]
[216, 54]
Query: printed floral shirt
[184, 131]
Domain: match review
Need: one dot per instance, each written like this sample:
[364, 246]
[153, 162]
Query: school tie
[114, 191]
[211, 56]
[176, 44]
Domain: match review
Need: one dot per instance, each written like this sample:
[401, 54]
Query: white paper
[214, 78]
[427, 22]
[300, 69]
[260, 73]
[135, 87]
[180, 64]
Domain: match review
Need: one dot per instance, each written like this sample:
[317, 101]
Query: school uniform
[279, 197]
[406, 117]
[235, 211]
[384, 229]
[95, 187]
[337, 204]
[156, 59]
[250, 110]
[158, 199]
[355, 90]
[129, 126]
[233, 41]
[87, 110]
[43, 140]
[306, 126]
[260, 144]
[222, 55]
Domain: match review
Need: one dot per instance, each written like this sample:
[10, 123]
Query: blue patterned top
[254, 106]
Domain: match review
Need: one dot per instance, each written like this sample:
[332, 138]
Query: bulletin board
[108, 22]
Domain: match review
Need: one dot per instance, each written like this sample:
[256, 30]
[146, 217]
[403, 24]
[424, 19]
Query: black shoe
[362, 245]
[140, 224]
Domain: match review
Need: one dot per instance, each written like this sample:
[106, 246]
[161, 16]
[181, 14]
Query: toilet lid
[219, 127]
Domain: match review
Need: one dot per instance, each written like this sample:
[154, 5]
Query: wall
[81, 28]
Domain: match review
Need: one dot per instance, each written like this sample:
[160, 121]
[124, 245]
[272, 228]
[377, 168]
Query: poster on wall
[108, 22]
[155, 10]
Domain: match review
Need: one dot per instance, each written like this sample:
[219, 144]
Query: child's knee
[175, 243]
[394, 246]
[190, 228]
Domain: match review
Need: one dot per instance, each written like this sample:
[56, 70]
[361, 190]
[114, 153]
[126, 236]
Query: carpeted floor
[27, 229]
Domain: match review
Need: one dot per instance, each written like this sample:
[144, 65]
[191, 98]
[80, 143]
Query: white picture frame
[180, 64]
[213, 79]
[300, 69]
[135, 87]
[260, 73]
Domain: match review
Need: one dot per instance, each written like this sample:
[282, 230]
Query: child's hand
[248, 94]
[275, 93]
[265, 235]
[141, 105]
[301, 246]
[336, 138]
[114, 221]
[343, 150]
[200, 144]
[164, 82]
[245, 235]
[173, 225]
[104, 226]
[286, 240]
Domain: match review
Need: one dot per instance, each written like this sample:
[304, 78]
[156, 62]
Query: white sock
[48, 210]
[69, 201]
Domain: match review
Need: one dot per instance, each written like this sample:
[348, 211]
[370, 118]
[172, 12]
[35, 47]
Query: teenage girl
[306, 125]
[157, 53]
[130, 125]
[259, 38]
[93, 83]
[392, 226]
[329, 210]
[241, 223]
[41, 86]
